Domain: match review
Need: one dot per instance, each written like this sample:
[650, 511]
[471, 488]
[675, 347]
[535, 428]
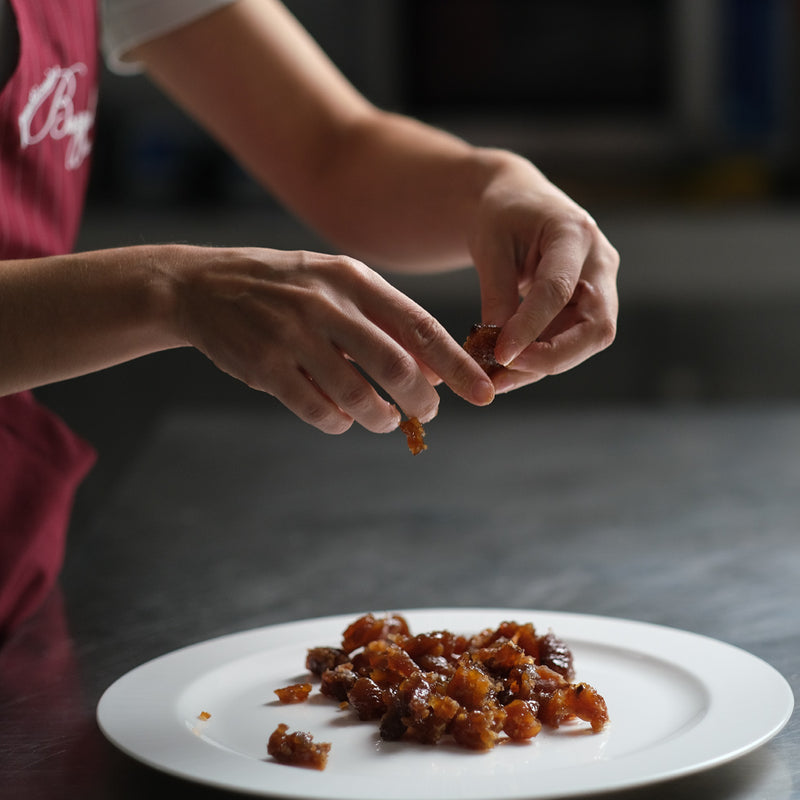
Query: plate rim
[216, 651]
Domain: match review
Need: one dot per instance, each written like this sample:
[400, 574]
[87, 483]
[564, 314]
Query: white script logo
[50, 111]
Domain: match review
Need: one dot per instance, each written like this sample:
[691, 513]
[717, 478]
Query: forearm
[407, 195]
[65, 316]
[383, 187]
[394, 192]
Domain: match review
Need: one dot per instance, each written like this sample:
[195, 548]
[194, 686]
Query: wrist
[163, 284]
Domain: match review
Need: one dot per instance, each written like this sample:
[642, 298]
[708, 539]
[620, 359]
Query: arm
[291, 324]
[64, 316]
[380, 186]
[392, 190]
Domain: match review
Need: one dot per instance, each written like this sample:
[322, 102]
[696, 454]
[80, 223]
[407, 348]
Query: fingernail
[426, 418]
[505, 362]
[483, 392]
[506, 355]
[396, 417]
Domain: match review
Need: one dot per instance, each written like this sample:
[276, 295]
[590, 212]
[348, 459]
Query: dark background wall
[675, 122]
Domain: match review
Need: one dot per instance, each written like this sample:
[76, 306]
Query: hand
[547, 274]
[303, 326]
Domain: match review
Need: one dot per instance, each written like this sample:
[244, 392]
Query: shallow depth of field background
[674, 122]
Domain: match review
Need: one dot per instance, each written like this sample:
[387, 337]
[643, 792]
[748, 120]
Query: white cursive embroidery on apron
[51, 109]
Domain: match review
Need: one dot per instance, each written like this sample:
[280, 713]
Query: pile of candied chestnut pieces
[498, 684]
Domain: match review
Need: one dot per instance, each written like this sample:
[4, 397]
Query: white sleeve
[128, 23]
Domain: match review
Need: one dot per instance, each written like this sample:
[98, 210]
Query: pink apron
[47, 113]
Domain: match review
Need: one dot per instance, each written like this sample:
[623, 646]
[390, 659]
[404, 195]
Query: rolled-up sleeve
[128, 23]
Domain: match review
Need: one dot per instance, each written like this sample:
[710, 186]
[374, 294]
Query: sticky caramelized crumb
[320, 659]
[203, 716]
[480, 344]
[415, 435]
[296, 693]
[369, 628]
[522, 721]
[503, 683]
[575, 700]
[297, 749]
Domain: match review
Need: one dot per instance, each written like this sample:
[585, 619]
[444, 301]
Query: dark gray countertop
[229, 520]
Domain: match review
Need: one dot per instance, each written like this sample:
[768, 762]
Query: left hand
[547, 276]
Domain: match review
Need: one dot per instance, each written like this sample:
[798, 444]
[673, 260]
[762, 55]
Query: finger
[430, 344]
[422, 338]
[393, 370]
[550, 287]
[499, 276]
[557, 354]
[432, 378]
[540, 360]
[507, 380]
[586, 326]
[304, 398]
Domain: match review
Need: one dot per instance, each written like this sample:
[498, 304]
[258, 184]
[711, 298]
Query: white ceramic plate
[679, 703]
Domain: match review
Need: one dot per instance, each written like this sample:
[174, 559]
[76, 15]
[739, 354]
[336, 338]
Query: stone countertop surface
[230, 519]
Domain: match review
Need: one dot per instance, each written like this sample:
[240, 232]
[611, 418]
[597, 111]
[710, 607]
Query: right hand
[303, 326]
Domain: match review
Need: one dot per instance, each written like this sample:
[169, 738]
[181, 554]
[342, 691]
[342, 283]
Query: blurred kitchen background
[674, 122]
